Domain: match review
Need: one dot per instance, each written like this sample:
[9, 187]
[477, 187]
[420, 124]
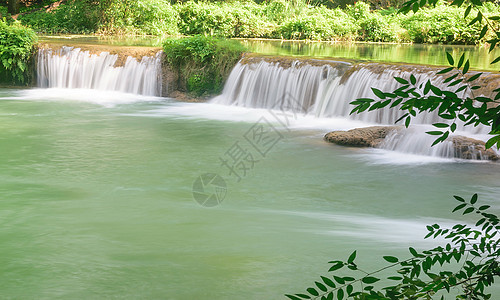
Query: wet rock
[361, 137]
[469, 148]
[464, 147]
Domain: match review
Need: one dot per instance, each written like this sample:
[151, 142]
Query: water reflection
[402, 53]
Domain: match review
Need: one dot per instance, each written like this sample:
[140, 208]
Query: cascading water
[326, 90]
[260, 85]
[73, 68]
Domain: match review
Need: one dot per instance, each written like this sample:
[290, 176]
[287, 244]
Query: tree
[13, 7]
[472, 253]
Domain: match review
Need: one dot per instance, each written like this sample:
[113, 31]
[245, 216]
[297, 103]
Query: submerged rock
[361, 137]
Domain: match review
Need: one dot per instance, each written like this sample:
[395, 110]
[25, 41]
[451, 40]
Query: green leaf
[475, 76]
[336, 267]
[434, 132]
[473, 200]
[483, 31]
[428, 86]
[468, 210]
[459, 207]
[391, 259]
[352, 257]
[491, 141]
[313, 291]
[369, 279]
[328, 282]
[436, 90]
[413, 251]
[407, 121]
[340, 294]
[415, 7]
[450, 59]
[463, 87]
[321, 286]
[413, 80]
[467, 11]
[440, 125]
[461, 60]
[483, 207]
[339, 279]
[293, 297]
[401, 80]
[495, 60]
[378, 93]
[466, 67]
[443, 71]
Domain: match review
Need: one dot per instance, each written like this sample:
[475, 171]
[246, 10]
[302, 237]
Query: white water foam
[102, 98]
[325, 92]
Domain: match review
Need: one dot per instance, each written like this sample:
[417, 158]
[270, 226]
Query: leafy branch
[475, 247]
[457, 101]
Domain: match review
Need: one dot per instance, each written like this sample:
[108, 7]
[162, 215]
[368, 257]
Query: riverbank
[280, 19]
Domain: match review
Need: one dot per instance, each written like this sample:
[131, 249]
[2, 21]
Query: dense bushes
[77, 16]
[284, 19]
[16, 50]
[202, 62]
[143, 17]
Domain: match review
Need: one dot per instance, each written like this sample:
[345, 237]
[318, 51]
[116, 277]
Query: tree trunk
[13, 7]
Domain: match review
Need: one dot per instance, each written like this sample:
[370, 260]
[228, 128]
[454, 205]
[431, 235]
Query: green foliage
[16, 50]
[76, 16]
[143, 17]
[202, 62]
[442, 24]
[470, 260]
[225, 19]
[285, 19]
[378, 28]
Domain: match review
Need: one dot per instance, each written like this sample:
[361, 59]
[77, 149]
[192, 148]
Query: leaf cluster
[16, 49]
[472, 256]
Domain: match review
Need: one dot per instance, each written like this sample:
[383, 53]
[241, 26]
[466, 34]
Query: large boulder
[361, 137]
[469, 148]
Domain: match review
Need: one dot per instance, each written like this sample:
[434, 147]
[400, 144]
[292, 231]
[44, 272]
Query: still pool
[96, 200]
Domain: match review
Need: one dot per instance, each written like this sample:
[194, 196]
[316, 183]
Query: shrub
[377, 28]
[72, 17]
[202, 62]
[144, 17]
[16, 50]
[307, 27]
[343, 26]
[442, 24]
[205, 18]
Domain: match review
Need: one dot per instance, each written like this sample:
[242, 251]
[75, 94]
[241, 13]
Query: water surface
[97, 200]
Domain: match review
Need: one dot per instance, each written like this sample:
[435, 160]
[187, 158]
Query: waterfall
[73, 68]
[259, 85]
[325, 91]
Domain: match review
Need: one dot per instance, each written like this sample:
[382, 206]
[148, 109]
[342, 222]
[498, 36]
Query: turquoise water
[97, 200]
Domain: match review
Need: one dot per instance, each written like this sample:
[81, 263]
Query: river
[97, 198]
